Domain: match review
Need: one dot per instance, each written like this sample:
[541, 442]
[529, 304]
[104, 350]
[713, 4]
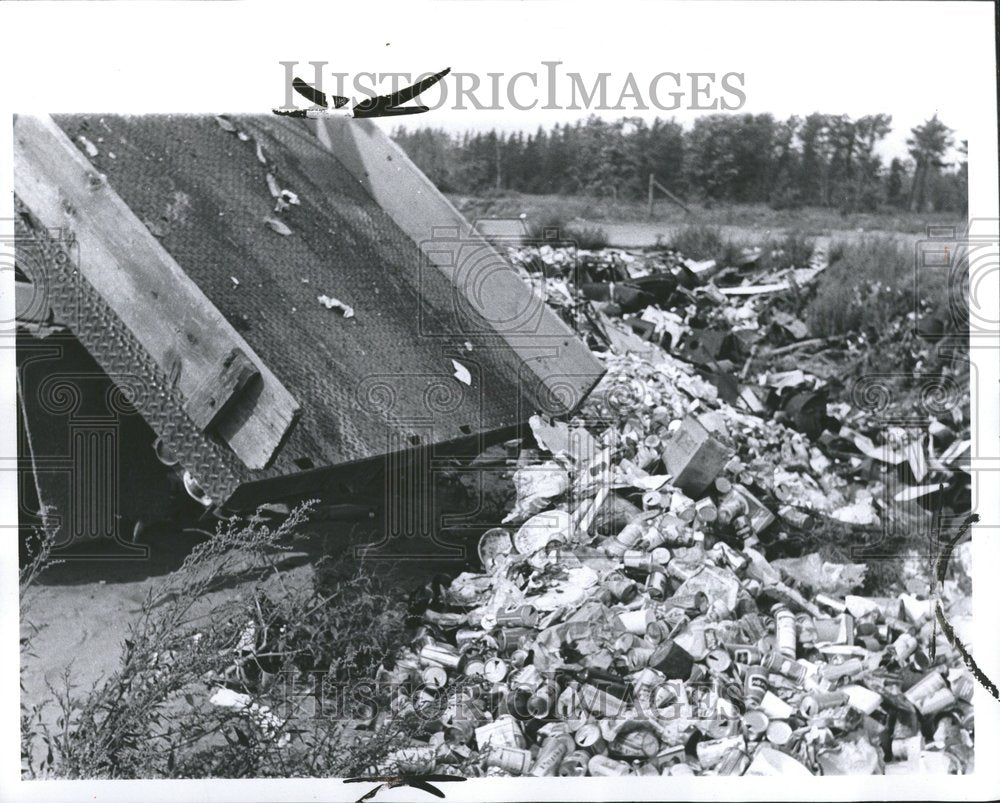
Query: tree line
[826, 160]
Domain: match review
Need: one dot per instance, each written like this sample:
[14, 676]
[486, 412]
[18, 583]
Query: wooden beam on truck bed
[227, 388]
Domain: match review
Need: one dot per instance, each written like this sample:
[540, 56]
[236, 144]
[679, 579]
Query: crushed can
[510, 759]
[550, 756]
[603, 766]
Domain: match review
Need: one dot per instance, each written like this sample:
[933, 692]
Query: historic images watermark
[548, 87]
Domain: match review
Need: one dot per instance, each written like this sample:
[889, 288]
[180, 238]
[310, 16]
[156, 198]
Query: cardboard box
[693, 457]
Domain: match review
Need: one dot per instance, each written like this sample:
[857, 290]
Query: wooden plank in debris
[225, 384]
[562, 364]
[754, 290]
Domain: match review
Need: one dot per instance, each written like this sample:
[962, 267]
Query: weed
[698, 242]
[236, 684]
[868, 285]
[588, 238]
[794, 250]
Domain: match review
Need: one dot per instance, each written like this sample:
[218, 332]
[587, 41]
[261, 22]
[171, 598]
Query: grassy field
[628, 224]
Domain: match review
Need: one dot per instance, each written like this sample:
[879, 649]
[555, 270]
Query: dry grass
[291, 648]
[812, 221]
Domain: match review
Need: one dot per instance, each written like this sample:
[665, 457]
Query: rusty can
[550, 756]
[672, 660]
[936, 702]
[850, 668]
[527, 677]
[472, 665]
[656, 585]
[784, 626]
[832, 603]
[756, 722]
[731, 507]
[441, 655]
[786, 667]
[920, 660]
[734, 762]
[815, 702]
[805, 630]
[636, 622]
[907, 749]
[682, 507]
[755, 685]
[510, 759]
[745, 653]
[621, 588]
[495, 670]
[845, 629]
[963, 685]
[540, 703]
[657, 631]
[602, 766]
[827, 629]
[779, 732]
[904, 646]
[637, 560]
[711, 751]
[694, 604]
[638, 657]
[600, 702]
[504, 731]
[434, 676]
[636, 744]
[575, 764]
[522, 616]
[510, 639]
[588, 737]
[668, 757]
[459, 731]
[706, 511]
[466, 637]
[718, 660]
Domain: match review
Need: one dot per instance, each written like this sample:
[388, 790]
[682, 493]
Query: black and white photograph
[500, 400]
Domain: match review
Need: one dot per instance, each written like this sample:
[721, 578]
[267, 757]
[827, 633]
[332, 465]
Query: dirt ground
[78, 612]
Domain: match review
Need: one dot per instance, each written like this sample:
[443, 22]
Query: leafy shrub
[698, 242]
[794, 250]
[868, 284]
[274, 648]
[588, 238]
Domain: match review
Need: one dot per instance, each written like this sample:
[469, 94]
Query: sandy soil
[78, 613]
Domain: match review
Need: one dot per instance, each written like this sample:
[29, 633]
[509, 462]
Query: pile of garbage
[674, 646]
[631, 617]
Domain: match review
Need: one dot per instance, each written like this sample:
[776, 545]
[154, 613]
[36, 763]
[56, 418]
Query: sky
[910, 59]
[907, 60]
